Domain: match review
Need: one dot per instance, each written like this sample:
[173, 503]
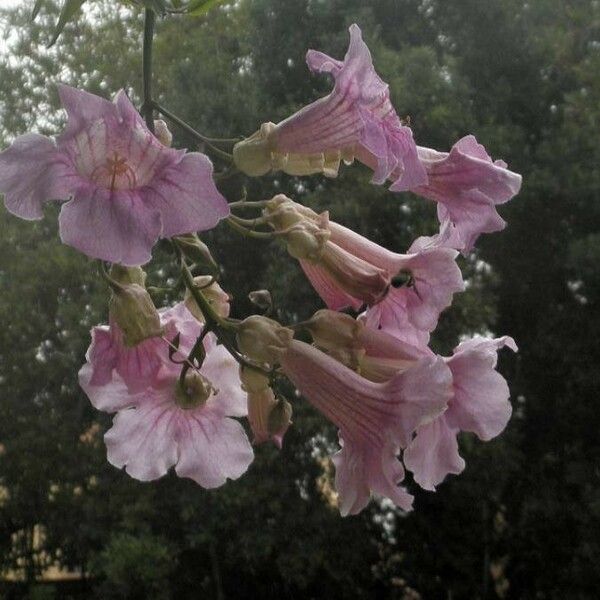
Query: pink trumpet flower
[480, 404]
[479, 401]
[139, 366]
[467, 185]
[125, 188]
[410, 311]
[356, 119]
[375, 419]
[186, 424]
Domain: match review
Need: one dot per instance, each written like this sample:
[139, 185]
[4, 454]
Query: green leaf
[36, 9]
[70, 7]
[197, 8]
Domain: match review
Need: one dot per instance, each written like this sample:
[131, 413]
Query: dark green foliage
[523, 520]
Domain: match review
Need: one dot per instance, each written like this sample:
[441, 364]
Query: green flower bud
[135, 314]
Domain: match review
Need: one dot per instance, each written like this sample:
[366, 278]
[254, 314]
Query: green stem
[214, 322]
[191, 131]
[147, 107]
[259, 235]
[249, 204]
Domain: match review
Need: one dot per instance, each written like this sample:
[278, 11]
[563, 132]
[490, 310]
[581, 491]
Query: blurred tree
[524, 78]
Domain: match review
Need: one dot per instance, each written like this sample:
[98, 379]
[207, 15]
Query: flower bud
[214, 294]
[194, 391]
[268, 416]
[280, 418]
[262, 299]
[162, 133]
[262, 339]
[127, 275]
[197, 251]
[134, 312]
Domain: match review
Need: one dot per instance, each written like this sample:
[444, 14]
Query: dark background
[523, 520]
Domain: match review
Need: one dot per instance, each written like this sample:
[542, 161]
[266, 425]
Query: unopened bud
[196, 251]
[127, 275]
[135, 314]
[280, 418]
[262, 339]
[214, 294]
[194, 391]
[162, 133]
[268, 416]
[262, 299]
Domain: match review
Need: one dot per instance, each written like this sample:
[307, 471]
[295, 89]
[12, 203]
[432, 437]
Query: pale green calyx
[131, 307]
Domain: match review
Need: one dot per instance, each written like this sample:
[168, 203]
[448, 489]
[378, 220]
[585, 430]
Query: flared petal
[32, 172]
[220, 367]
[82, 108]
[391, 315]
[358, 472]
[111, 396]
[186, 197]
[375, 419]
[212, 448]
[481, 396]
[433, 454]
[468, 185]
[143, 439]
[115, 226]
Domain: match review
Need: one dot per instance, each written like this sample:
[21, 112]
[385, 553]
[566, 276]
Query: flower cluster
[179, 378]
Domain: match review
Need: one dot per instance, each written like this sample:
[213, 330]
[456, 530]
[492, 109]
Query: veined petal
[327, 288]
[358, 471]
[481, 396]
[212, 449]
[230, 400]
[33, 171]
[114, 226]
[143, 439]
[433, 454]
[185, 196]
[375, 419]
[110, 396]
[82, 108]
[467, 185]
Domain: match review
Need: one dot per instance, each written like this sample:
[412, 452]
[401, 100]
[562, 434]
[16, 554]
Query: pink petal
[212, 448]
[82, 108]
[327, 288]
[357, 115]
[436, 278]
[391, 315]
[114, 226]
[357, 473]
[222, 369]
[481, 401]
[467, 185]
[433, 454]
[185, 196]
[143, 439]
[362, 409]
[33, 171]
[108, 397]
